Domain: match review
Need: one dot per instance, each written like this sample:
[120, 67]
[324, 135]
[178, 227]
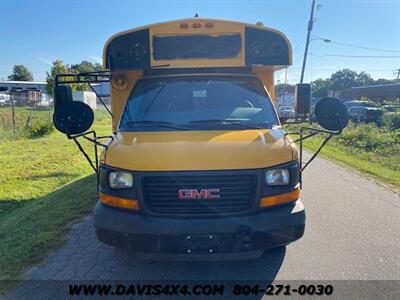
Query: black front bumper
[268, 228]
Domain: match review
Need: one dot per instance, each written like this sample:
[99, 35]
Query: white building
[285, 98]
[85, 96]
[8, 86]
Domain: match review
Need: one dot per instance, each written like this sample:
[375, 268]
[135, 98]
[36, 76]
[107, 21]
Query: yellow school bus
[198, 162]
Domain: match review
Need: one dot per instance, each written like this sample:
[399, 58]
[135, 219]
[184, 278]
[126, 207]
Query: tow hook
[243, 238]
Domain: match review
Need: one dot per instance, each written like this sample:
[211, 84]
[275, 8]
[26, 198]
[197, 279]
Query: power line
[355, 56]
[357, 46]
[298, 58]
[342, 67]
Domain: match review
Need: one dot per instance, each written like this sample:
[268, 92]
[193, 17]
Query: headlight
[277, 177]
[120, 180]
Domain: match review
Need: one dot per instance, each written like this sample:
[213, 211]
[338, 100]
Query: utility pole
[13, 114]
[309, 29]
[284, 92]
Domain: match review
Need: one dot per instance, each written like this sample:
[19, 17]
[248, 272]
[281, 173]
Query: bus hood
[199, 150]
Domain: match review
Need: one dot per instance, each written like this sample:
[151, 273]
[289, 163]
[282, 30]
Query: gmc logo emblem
[196, 194]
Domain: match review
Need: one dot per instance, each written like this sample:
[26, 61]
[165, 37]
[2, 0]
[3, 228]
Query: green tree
[57, 68]
[343, 80]
[320, 87]
[363, 79]
[384, 81]
[20, 73]
[86, 66]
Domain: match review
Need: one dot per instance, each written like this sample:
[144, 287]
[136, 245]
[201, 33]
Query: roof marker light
[196, 25]
[209, 25]
[184, 25]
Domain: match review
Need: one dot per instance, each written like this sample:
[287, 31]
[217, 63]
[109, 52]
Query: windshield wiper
[156, 123]
[227, 122]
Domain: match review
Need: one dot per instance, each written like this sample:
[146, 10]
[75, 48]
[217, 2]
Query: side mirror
[331, 114]
[62, 94]
[73, 117]
[303, 98]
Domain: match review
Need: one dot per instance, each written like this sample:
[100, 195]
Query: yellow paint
[119, 97]
[266, 75]
[220, 27]
[199, 150]
[295, 150]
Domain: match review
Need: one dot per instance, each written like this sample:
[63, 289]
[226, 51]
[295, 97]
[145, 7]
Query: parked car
[286, 112]
[359, 103]
[5, 100]
[366, 114]
[391, 108]
[312, 115]
[46, 101]
[43, 103]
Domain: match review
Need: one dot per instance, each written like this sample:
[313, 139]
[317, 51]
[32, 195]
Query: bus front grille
[199, 195]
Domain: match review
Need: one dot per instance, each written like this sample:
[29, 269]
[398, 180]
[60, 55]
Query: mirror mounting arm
[316, 152]
[101, 100]
[314, 131]
[94, 164]
[302, 138]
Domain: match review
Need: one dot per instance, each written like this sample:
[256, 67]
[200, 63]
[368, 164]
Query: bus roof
[197, 43]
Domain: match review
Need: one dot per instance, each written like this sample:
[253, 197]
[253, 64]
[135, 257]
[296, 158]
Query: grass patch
[370, 149]
[366, 162]
[30, 123]
[28, 233]
[33, 207]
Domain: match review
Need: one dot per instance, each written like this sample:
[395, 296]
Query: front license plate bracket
[200, 243]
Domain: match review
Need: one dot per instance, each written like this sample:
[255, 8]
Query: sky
[34, 33]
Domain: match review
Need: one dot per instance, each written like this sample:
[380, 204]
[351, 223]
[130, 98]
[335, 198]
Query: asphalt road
[352, 233]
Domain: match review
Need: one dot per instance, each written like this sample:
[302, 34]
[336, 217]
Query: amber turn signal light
[119, 202]
[279, 199]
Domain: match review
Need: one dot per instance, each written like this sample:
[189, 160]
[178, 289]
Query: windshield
[198, 103]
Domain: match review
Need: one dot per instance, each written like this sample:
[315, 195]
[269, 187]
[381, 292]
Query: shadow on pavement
[264, 268]
[83, 260]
